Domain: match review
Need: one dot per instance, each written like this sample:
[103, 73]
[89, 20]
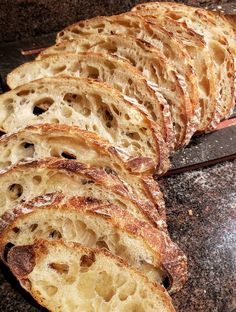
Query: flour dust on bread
[69, 277]
[213, 29]
[29, 179]
[68, 142]
[92, 106]
[203, 66]
[134, 25]
[97, 224]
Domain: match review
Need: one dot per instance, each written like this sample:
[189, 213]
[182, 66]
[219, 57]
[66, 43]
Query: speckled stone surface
[201, 208]
[27, 18]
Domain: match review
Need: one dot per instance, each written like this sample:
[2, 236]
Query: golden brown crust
[126, 47]
[149, 187]
[168, 255]
[99, 176]
[196, 46]
[158, 163]
[217, 23]
[168, 39]
[41, 247]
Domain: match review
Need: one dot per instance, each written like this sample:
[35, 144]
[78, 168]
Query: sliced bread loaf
[92, 106]
[68, 277]
[154, 66]
[27, 180]
[97, 224]
[203, 65]
[132, 24]
[68, 142]
[212, 27]
[112, 70]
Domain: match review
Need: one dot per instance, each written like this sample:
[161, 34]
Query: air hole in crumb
[55, 121]
[102, 244]
[42, 105]
[130, 81]
[110, 171]
[37, 180]
[84, 182]
[27, 149]
[93, 72]
[134, 135]
[71, 97]
[108, 115]
[66, 112]
[115, 110]
[23, 93]
[127, 117]
[68, 155]
[95, 128]
[51, 290]
[55, 234]
[27, 145]
[61, 268]
[45, 65]
[58, 69]
[33, 227]
[107, 292]
[16, 230]
[15, 191]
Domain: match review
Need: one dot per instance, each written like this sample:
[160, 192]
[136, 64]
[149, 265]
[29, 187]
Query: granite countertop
[201, 209]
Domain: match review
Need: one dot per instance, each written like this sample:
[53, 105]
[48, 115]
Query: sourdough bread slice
[29, 179]
[154, 66]
[97, 224]
[132, 24]
[62, 141]
[68, 277]
[210, 26]
[155, 105]
[203, 66]
[92, 106]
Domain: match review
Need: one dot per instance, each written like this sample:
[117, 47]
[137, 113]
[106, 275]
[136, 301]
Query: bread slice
[29, 179]
[208, 25]
[68, 142]
[154, 66]
[203, 65]
[112, 70]
[117, 73]
[97, 224]
[68, 277]
[132, 24]
[92, 106]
